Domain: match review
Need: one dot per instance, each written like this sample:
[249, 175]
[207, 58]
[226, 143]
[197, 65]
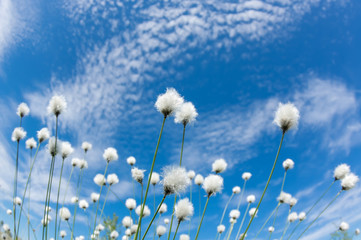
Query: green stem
[274, 219]
[334, 199]
[31, 157]
[105, 200]
[294, 229]
[116, 196]
[80, 179]
[225, 208]
[319, 199]
[150, 176]
[244, 217]
[57, 198]
[155, 226]
[240, 198]
[287, 224]
[190, 220]
[200, 201]
[16, 185]
[181, 155]
[66, 191]
[264, 191]
[204, 211]
[171, 219]
[155, 214]
[283, 181]
[230, 231]
[176, 230]
[269, 217]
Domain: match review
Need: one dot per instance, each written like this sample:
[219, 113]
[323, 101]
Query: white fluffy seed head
[82, 164]
[341, 171]
[6, 228]
[349, 181]
[146, 211]
[9, 212]
[166, 221]
[184, 209]
[251, 198]
[131, 160]
[163, 208]
[74, 200]
[293, 201]
[128, 233]
[57, 105]
[43, 134]
[246, 176]
[114, 235]
[54, 146]
[112, 179]
[284, 198]
[219, 166]
[302, 216]
[17, 201]
[66, 149]
[184, 237]
[45, 221]
[75, 162]
[236, 189]
[293, 216]
[86, 146]
[175, 180]
[94, 197]
[138, 174]
[99, 179]
[234, 214]
[64, 213]
[30, 143]
[161, 230]
[252, 212]
[199, 180]
[133, 228]
[130, 203]
[344, 226]
[83, 204]
[191, 174]
[213, 184]
[23, 110]
[288, 164]
[155, 178]
[221, 228]
[186, 113]
[286, 116]
[110, 154]
[127, 222]
[271, 229]
[169, 102]
[357, 231]
[62, 234]
[18, 134]
[100, 227]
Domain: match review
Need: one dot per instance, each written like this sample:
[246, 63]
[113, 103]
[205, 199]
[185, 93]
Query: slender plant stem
[66, 191]
[31, 225]
[117, 197]
[294, 229]
[274, 219]
[69, 226]
[150, 176]
[204, 211]
[230, 231]
[31, 157]
[287, 224]
[176, 230]
[264, 191]
[200, 201]
[141, 200]
[269, 217]
[57, 198]
[314, 220]
[190, 199]
[283, 181]
[155, 214]
[244, 217]
[16, 184]
[181, 155]
[225, 208]
[241, 196]
[105, 200]
[80, 179]
[155, 225]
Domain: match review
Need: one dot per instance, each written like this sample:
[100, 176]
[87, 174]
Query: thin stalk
[264, 191]
[66, 191]
[286, 225]
[155, 214]
[105, 200]
[294, 229]
[269, 217]
[150, 176]
[16, 184]
[141, 200]
[274, 219]
[283, 181]
[204, 211]
[230, 231]
[334, 199]
[244, 217]
[80, 179]
[190, 220]
[200, 201]
[171, 219]
[117, 197]
[319, 199]
[225, 208]
[155, 226]
[28, 216]
[176, 231]
[242, 192]
[31, 157]
[57, 199]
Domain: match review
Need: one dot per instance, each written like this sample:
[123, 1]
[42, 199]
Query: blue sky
[234, 60]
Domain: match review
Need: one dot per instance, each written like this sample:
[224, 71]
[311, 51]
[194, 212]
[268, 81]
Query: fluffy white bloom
[112, 179]
[292, 217]
[252, 212]
[18, 134]
[161, 230]
[251, 198]
[133, 228]
[17, 201]
[93, 237]
[302, 216]
[293, 202]
[155, 178]
[357, 231]
[184, 209]
[30, 143]
[82, 164]
[114, 234]
[138, 174]
[284, 197]
[6, 228]
[66, 149]
[64, 213]
[344, 226]
[241, 236]
[75, 162]
[246, 176]
[128, 232]
[271, 229]
[219, 165]
[163, 208]
[213, 184]
[9, 212]
[175, 180]
[125, 237]
[187, 113]
[184, 237]
[199, 180]
[349, 181]
[234, 214]
[168, 102]
[166, 221]
[146, 211]
[43, 134]
[221, 228]
[110, 154]
[62, 234]
[46, 221]
[23, 110]
[127, 222]
[74, 200]
[57, 105]
[288, 164]
[341, 171]
[54, 146]
[83, 204]
[86, 146]
[100, 227]
[130, 203]
[191, 174]
[236, 189]
[131, 160]
[48, 209]
[286, 116]
[99, 179]
[232, 220]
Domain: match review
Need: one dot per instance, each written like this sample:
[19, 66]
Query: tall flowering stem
[286, 225]
[225, 208]
[264, 191]
[242, 192]
[269, 217]
[16, 183]
[150, 176]
[176, 230]
[105, 201]
[230, 231]
[244, 217]
[190, 199]
[155, 214]
[204, 211]
[57, 199]
[80, 179]
[66, 191]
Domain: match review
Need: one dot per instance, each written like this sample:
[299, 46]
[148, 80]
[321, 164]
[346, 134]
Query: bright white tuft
[344, 226]
[30, 143]
[219, 165]
[286, 116]
[23, 110]
[168, 102]
[155, 178]
[341, 171]
[213, 184]
[138, 174]
[187, 113]
[66, 149]
[184, 209]
[199, 180]
[131, 160]
[246, 176]
[288, 164]
[18, 134]
[43, 134]
[221, 228]
[175, 180]
[99, 179]
[161, 230]
[110, 154]
[251, 198]
[64, 213]
[86, 146]
[130, 203]
[349, 181]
